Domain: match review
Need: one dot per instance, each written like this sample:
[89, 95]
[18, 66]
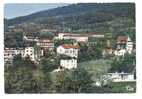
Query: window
[66, 51]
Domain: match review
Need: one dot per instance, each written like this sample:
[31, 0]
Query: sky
[16, 10]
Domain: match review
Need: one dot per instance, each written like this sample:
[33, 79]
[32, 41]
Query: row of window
[15, 54]
[70, 51]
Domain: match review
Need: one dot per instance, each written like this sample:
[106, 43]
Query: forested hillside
[99, 17]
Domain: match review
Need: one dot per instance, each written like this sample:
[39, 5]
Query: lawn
[96, 67]
[122, 87]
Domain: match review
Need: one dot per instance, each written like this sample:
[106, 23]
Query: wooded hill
[98, 17]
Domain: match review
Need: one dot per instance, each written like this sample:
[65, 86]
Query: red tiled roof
[122, 39]
[67, 46]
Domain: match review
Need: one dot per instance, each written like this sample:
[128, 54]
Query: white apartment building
[9, 53]
[68, 63]
[68, 49]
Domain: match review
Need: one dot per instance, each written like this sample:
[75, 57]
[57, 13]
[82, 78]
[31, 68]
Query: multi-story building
[71, 51]
[45, 43]
[9, 53]
[68, 63]
[78, 37]
[68, 49]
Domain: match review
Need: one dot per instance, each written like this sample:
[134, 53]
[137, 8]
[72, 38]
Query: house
[68, 49]
[9, 53]
[119, 77]
[68, 63]
[124, 45]
[124, 42]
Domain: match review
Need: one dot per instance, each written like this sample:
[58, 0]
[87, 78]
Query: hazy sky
[15, 10]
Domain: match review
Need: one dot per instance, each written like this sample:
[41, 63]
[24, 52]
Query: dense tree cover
[91, 50]
[48, 35]
[18, 61]
[100, 9]
[23, 76]
[124, 64]
[49, 64]
[117, 18]
[75, 81]
[26, 77]
[13, 39]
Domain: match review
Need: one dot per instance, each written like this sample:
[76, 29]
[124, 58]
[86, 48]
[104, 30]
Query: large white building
[78, 37]
[68, 63]
[71, 51]
[9, 53]
[68, 49]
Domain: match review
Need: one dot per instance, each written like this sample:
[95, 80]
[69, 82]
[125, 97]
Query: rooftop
[68, 46]
[122, 39]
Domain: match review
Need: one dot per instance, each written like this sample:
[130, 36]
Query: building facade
[68, 49]
[68, 63]
[78, 37]
[124, 45]
[9, 53]
[45, 43]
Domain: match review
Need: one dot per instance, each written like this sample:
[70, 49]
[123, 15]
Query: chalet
[68, 49]
[124, 45]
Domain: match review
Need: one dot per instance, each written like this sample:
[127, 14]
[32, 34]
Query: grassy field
[95, 67]
[122, 87]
